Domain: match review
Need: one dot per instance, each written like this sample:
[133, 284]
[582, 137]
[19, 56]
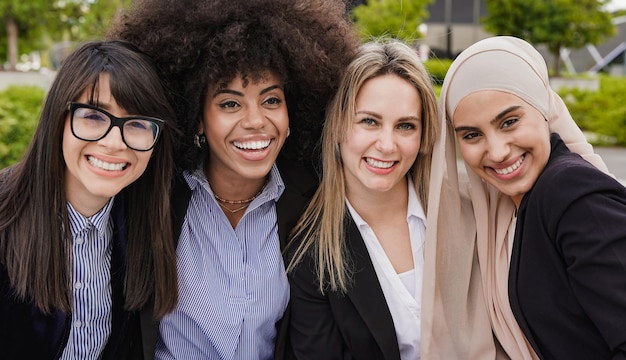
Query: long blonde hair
[321, 227]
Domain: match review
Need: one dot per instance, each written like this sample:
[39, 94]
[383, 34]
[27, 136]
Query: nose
[254, 117]
[113, 140]
[386, 141]
[498, 149]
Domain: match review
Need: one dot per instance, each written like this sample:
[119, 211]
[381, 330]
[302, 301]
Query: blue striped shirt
[91, 280]
[232, 283]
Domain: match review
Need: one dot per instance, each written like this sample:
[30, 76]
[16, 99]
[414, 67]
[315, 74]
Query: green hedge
[19, 114]
[602, 112]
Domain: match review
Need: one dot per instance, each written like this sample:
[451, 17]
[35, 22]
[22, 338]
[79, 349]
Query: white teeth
[252, 145]
[511, 168]
[379, 164]
[105, 165]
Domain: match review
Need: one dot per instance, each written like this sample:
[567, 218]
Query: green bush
[19, 113]
[600, 112]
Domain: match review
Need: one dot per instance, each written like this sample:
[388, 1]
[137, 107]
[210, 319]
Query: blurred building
[454, 25]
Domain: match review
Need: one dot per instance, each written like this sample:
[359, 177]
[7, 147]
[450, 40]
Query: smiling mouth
[379, 164]
[252, 145]
[511, 168]
[106, 165]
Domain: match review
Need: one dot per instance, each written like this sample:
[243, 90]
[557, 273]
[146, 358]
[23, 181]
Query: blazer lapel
[513, 273]
[367, 295]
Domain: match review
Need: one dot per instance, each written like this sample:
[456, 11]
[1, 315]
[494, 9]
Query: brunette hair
[201, 44]
[34, 248]
[322, 225]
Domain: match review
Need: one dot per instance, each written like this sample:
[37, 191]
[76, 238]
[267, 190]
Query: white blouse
[404, 301]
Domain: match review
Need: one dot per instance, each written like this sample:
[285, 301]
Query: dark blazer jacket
[567, 282]
[355, 325]
[300, 185]
[26, 333]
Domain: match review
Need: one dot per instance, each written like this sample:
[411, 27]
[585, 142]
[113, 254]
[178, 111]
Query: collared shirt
[404, 302]
[232, 282]
[91, 279]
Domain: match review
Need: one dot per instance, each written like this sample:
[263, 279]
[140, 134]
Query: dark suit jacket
[567, 282]
[356, 325]
[300, 185]
[26, 333]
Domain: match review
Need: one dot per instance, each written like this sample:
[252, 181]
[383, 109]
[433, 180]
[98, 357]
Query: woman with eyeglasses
[85, 231]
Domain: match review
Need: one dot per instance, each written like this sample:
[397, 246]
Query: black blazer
[356, 325]
[27, 333]
[567, 282]
[300, 185]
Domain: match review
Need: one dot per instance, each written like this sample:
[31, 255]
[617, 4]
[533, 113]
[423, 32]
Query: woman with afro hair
[250, 81]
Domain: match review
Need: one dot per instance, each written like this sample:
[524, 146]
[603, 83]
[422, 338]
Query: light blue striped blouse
[232, 283]
[91, 279]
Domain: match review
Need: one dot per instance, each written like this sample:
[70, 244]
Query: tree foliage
[39, 22]
[557, 24]
[21, 17]
[391, 18]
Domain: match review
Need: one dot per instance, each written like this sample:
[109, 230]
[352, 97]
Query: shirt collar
[99, 220]
[273, 188]
[415, 207]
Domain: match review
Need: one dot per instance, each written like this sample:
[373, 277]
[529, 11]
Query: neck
[234, 190]
[378, 206]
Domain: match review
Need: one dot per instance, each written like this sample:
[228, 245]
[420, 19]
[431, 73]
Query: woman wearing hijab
[468, 281]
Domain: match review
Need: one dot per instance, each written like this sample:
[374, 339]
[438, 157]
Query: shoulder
[572, 176]
[569, 182]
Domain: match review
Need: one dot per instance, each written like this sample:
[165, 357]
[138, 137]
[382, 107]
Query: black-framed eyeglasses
[90, 123]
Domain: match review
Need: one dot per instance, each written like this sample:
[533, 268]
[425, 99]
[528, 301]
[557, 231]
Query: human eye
[139, 125]
[228, 104]
[508, 122]
[367, 121]
[406, 126]
[470, 135]
[274, 100]
[91, 115]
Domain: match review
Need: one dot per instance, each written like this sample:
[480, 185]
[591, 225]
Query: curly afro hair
[197, 44]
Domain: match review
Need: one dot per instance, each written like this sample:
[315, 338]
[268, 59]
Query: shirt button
[78, 286]
[77, 323]
[79, 241]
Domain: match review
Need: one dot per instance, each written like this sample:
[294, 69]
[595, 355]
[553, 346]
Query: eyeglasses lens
[91, 125]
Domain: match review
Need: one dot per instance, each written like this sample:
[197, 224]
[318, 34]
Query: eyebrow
[495, 119]
[102, 105]
[403, 118]
[239, 93]
[504, 113]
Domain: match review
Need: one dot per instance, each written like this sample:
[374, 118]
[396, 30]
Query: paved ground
[615, 159]
[42, 79]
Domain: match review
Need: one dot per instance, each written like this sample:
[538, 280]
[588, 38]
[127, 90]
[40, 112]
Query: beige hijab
[465, 306]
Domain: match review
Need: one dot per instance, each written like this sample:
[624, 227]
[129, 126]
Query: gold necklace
[237, 202]
[233, 210]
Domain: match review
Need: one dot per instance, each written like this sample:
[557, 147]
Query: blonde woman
[357, 258]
